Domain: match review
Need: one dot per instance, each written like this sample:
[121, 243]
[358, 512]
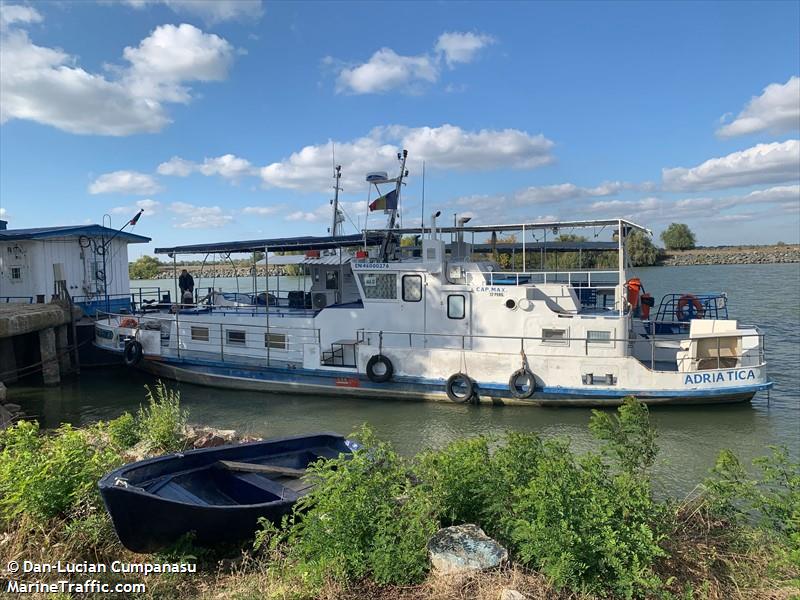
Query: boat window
[598, 337]
[379, 286]
[412, 288]
[332, 280]
[200, 334]
[275, 341]
[555, 336]
[236, 336]
[456, 306]
[16, 273]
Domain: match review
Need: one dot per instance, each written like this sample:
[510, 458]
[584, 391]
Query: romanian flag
[385, 202]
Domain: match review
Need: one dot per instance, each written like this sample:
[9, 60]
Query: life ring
[380, 376]
[129, 323]
[685, 315]
[521, 390]
[460, 387]
[133, 353]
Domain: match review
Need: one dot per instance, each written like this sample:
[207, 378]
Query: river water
[689, 437]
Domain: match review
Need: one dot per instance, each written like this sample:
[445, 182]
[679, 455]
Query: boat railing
[715, 359]
[16, 299]
[143, 296]
[681, 308]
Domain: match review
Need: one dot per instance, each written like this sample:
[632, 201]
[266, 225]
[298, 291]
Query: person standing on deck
[186, 284]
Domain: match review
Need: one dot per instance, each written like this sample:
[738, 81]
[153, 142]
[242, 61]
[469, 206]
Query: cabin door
[458, 317]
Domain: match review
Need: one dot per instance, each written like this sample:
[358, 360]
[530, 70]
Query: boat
[216, 494]
[441, 319]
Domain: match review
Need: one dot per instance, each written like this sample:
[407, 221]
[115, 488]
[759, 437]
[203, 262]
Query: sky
[223, 119]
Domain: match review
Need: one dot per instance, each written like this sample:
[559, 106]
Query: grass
[577, 526]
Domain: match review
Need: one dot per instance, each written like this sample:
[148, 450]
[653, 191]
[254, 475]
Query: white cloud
[445, 147]
[176, 166]
[764, 163]
[4, 214]
[149, 206]
[460, 47]
[228, 166]
[262, 211]
[124, 182]
[387, 70]
[191, 216]
[210, 11]
[45, 84]
[776, 110]
[17, 13]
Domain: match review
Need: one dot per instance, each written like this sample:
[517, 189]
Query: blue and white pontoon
[447, 322]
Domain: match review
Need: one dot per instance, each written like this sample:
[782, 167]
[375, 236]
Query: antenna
[422, 220]
[337, 174]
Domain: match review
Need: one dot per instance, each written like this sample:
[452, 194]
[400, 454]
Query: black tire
[380, 377]
[518, 391]
[460, 388]
[133, 353]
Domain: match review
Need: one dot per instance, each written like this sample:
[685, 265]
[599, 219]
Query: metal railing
[467, 342]
[16, 299]
[574, 278]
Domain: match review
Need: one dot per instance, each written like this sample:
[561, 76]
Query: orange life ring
[684, 301]
[634, 285]
[129, 323]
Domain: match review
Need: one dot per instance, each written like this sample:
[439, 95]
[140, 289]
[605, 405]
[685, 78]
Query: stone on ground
[464, 548]
[509, 594]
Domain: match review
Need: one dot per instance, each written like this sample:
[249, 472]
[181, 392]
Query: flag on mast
[135, 219]
[385, 202]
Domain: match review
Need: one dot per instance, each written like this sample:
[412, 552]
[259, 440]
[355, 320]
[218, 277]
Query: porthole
[511, 304]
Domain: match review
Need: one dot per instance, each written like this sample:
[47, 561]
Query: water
[690, 437]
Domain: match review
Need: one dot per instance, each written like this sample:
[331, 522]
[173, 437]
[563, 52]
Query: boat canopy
[278, 244]
[302, 259]
[548, 225]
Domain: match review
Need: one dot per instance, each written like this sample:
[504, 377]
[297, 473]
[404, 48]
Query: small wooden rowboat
[217, 493]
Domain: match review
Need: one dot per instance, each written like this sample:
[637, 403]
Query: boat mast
[337, 174]
[388, 241]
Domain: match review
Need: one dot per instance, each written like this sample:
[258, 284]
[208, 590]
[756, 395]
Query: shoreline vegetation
[577, 526]
[711, 255]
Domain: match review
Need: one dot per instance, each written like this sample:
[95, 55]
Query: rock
[13, 408]
[509, 594]
[6, 418]
[3, 392]
[198, 436]
[209, 440]
[464, 548]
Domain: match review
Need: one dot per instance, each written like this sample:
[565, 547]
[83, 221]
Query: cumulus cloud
[149, 206]
[210, 11]
[457, 47]
[191, 216]
[125, 182]
[387, 70]
[776, 110]
[45, 84]
[777, 162]
[262, 211]
[228, 166]
[444, 147]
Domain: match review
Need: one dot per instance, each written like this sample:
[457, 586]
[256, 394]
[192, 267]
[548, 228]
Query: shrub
[678, 236]
[124, 430]
[364, 517]
[161, 422]
[47, 475]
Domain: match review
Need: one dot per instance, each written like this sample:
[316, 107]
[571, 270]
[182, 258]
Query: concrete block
[47, 351]
[8, 361]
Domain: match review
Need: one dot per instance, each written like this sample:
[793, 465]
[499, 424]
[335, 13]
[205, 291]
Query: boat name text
[371, 266]
[735, 375]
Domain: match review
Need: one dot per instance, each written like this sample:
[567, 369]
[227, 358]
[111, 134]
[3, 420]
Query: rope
[38, 366]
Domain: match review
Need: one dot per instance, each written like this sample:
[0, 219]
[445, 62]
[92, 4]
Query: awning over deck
[278, 244]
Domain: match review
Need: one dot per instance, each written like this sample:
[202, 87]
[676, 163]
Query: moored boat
[441, 319]
[217, 494]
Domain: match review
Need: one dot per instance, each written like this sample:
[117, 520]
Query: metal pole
[621, 267]
[266, 277]
[523, 250]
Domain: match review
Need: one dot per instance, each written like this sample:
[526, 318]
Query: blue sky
[218, 118]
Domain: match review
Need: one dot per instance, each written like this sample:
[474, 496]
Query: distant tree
[145, 267]
[678, 236]
[640, 250]
[409, 240]
[257, 256]
[571, 237]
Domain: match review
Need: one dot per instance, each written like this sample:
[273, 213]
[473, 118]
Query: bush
[364, 517]
[678, 236]
[124, 431]
[47, 475]
[640, 250]
[144, 267]
[162, 421]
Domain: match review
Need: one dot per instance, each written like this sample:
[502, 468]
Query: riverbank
[732, 255]
[575, 526]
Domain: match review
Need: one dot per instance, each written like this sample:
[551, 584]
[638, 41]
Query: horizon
[220, 119]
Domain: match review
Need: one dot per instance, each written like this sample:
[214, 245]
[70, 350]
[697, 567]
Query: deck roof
[277, 244]
[548, 225]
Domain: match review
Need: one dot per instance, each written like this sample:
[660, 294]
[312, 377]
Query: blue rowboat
[216, 493]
